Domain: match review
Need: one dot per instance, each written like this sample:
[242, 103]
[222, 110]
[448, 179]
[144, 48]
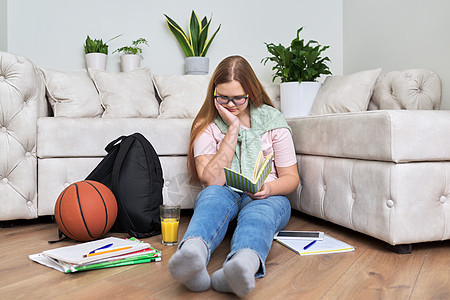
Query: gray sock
[219, 282]
[238, 274]
[188, 265]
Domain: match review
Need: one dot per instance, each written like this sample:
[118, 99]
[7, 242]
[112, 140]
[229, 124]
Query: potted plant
[96, 52]
[195, 44]
[298, 66]
[132, 55]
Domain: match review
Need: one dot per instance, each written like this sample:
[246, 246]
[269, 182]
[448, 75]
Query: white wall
[398, 35]
[3, 26]
[52, 32]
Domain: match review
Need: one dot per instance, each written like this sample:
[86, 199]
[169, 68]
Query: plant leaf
[205, 49]
[203, 36]
[194, 30]
[181, 37]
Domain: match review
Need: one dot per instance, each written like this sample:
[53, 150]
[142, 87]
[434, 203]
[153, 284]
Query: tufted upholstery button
[166, 183]
[5, 180]
[4, 129]
[354, 195]
[389, 203]
[324, 187]
[2, 78]
[29, 203]
[443, 199]
[28, 154]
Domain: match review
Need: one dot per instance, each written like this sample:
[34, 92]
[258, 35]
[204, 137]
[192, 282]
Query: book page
[258, 166]
[263, 167]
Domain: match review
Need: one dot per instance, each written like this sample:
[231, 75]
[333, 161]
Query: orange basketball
[85, 210]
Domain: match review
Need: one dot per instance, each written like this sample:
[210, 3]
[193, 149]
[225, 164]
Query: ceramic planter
[129, 62]
[197, 65]
[96, 61]
[296, 99]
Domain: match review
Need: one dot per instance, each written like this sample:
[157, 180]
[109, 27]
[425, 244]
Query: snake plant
[196, 43]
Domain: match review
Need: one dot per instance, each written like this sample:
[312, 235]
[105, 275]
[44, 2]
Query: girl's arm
[286, 183]
[210, 166]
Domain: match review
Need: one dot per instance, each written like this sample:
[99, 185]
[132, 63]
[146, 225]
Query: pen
[309, 245]
[103, 247]
[107, 251]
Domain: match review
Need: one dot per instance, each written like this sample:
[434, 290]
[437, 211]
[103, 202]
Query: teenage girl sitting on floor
[237, 121]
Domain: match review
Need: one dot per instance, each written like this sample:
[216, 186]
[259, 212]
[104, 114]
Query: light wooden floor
[371, 272]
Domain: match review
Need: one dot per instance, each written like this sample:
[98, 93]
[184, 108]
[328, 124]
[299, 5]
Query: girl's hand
[262, 194]
[227, 115]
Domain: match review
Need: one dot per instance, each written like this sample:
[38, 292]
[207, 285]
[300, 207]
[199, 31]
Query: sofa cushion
[182, 95]
[126, 94]
[72, 94]
[389, 135]
[409, 89]
[75, 137]
[346, 93]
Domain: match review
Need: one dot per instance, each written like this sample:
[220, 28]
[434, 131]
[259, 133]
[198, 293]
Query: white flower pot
[296, 99]
[96, 61]
[129, 62]
[197, 65]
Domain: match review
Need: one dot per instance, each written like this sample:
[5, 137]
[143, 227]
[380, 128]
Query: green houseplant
[298, 66]
[96, 52]
[194, 44]
[131, 55]
[134, 49]
[301, 61]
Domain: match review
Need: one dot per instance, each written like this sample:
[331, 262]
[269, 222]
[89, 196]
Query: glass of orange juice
[170, 218]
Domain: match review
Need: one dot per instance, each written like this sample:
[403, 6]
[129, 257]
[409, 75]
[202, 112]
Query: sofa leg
[400, 249]
[7, 224]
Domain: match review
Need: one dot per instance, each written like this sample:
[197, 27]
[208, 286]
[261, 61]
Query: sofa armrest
[384, 135]
[22, 101]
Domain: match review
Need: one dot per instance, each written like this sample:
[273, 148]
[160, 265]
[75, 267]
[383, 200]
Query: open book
[241, 182]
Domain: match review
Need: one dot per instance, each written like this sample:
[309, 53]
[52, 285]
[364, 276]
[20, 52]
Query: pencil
[107, 251]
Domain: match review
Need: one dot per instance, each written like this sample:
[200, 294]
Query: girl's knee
[216, 192]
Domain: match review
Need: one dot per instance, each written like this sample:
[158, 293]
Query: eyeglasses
[225, 100]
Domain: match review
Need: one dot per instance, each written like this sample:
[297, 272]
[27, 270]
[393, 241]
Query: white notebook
[76, 254]
[327, 245]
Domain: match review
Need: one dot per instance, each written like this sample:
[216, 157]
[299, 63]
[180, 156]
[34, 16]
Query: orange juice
[169, 228]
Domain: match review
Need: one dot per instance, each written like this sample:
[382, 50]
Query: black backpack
[133, 172]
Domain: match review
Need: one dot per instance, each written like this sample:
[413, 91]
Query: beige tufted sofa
[383, 172]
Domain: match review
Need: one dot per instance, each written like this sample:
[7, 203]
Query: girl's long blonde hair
[229, 69]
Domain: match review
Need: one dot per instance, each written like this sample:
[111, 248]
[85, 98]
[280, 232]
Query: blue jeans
[257, 221]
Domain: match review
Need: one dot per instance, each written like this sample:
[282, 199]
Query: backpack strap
[110, 146]
[148, 148]
[153, 163]
[123, 150]
[102, 171]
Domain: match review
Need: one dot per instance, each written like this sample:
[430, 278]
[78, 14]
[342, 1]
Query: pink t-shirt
[277, 142]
